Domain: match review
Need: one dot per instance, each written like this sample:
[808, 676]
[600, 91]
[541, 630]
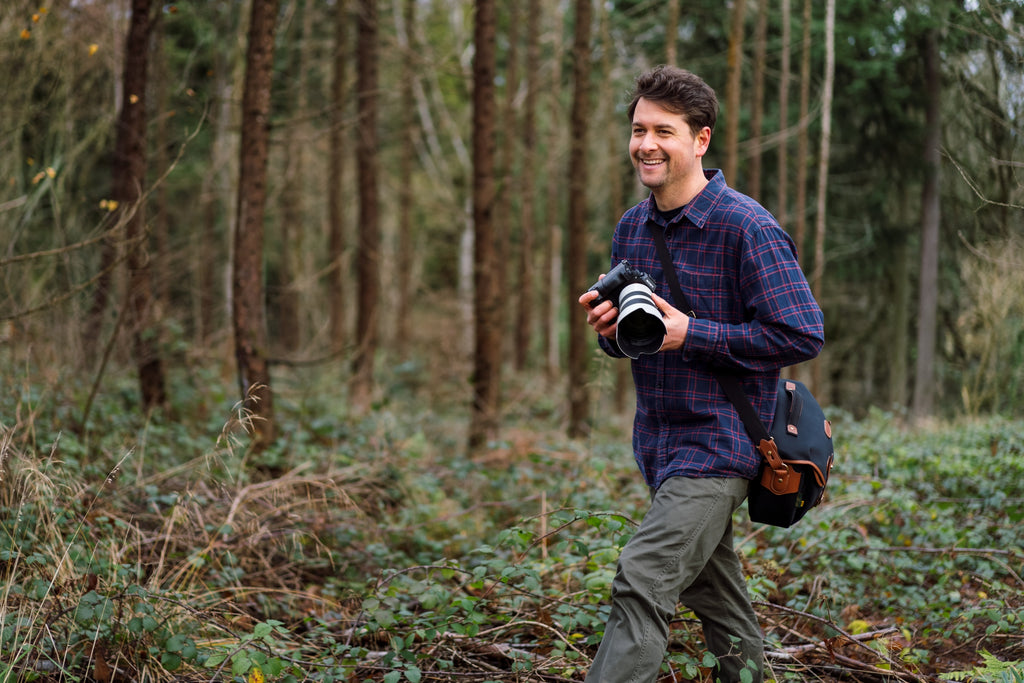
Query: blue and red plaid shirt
[754, 315]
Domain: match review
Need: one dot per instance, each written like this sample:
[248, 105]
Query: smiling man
[753, 315]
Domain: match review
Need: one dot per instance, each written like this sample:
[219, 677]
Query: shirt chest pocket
[712, 296]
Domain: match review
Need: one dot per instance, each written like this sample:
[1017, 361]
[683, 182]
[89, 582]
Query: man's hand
[602, 317]
[676, 324]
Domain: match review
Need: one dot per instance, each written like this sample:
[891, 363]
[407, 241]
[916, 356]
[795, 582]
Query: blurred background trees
[370, 215]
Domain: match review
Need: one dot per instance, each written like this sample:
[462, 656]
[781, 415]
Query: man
[753, 315]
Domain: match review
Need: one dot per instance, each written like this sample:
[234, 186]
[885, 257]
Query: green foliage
[992, 669]
[370, 547]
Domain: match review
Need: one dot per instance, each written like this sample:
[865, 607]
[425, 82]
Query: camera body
[639, 327]
[611, 285]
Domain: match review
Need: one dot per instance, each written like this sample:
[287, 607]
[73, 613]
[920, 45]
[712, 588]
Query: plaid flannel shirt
[754, 315]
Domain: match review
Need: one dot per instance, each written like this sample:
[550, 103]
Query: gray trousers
[682, 552]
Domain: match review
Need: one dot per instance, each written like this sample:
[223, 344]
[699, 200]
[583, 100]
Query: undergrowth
[371, 548]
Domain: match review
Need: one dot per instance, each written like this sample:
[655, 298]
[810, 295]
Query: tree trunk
[898, 348]
[288, 301]
[552, 210]
[757, 108]
[579, 333]
[928, 289]
[128, 187]
[505, 165]
[823, 158]
[615, 130]
[732, 93]
[336, 289]
[671, 31]
[782, 168]
[403, 324]
[368, 251]
[248, 311]
[528, 190]
[803, 140]
[487, 317]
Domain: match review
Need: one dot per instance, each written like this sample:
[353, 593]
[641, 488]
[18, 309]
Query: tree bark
[336, 289]
[288, 300]
[528, 191]
[928, 288]
[757, 108]
[782, 167]
[487, 317]
[803, 139]
[506, 162]
[732, 93]
[552, 265]
[248, 312]
[579, 333]
[128, 191]
[823, 159]
[671, 31]
[615, 128]
[368, 247]
[403, 324]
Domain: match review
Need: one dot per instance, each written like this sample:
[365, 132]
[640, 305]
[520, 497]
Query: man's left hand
[676, 324]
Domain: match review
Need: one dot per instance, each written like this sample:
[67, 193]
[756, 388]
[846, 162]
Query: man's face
[665, 152]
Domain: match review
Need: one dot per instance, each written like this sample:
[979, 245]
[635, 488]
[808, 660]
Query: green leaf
[175, 643]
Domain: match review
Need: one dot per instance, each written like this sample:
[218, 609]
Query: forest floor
[373, 548]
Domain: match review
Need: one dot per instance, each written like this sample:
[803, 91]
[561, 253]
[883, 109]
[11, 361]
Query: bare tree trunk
[221, 181]
[782, 169]
[757, 108]
[615, 131]
[823, 159]
[505, 168]
[161, 145]
[579, 348]
[288, 301]
[129, 181]
[528, 190]
[732, 93]
[898, 348]
[803, 141]
[403, 309]
[671, 31]
[247, 298]
[368, 252]
[552, 224]
[336, 182]
[928, 289]
[487, 318]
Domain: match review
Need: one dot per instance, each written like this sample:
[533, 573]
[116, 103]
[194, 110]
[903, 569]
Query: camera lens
[640, 329]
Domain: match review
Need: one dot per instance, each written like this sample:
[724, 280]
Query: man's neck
[674, 200]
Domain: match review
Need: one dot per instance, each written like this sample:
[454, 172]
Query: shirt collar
[699, 208]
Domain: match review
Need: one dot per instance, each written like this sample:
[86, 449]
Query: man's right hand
[601, 317]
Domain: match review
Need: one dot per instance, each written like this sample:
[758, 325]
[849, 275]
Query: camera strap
[730, 383]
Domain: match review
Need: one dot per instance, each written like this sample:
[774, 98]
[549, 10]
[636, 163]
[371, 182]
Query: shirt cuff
[702, 339]
[610, 347]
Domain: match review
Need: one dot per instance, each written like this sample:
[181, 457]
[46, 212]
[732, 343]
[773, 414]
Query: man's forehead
[654, 114]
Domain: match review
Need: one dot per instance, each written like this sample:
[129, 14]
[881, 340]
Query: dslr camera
[639, 326]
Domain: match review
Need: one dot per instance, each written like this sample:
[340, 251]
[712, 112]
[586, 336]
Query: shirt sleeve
[782, 324]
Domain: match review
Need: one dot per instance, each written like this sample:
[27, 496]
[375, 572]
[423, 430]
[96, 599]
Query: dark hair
[680, 92]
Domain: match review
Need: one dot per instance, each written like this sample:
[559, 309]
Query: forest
[294, 381]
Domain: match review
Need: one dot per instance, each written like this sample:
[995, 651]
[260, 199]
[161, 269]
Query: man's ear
[702, 141]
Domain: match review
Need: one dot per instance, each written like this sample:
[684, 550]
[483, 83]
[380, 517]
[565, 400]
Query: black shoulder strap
[730, 383]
